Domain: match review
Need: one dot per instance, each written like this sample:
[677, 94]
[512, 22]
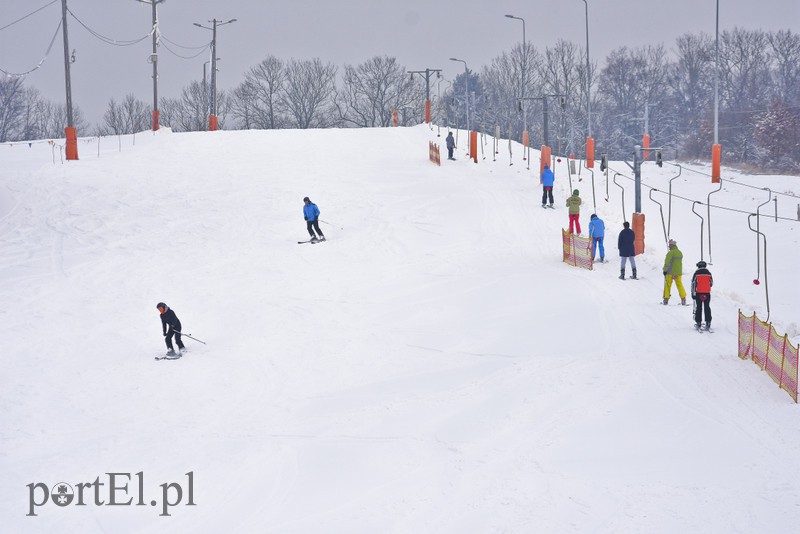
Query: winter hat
[701, 264]
[576, 192]
[626, 224]
[672, 242]
[161, 305]
[306, 199]
[594, 216]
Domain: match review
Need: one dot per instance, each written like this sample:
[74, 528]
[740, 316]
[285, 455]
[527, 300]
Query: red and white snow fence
[577, 250]
[433, 153]
[775, 354]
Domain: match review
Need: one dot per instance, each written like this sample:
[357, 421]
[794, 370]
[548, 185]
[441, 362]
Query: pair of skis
[312, 241]
[703, 328]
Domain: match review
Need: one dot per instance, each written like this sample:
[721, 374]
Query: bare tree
[257, 101]
[309, 92]
[372, 89]
[129, 116]
[11, 104]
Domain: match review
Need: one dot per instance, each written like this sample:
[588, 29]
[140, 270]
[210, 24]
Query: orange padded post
[394, 116]
[638, 229]
[590, 152]
[155, 120]
[72, 142]
[473, 146]
[646, 144]
[716, 162]
[427, 111]
[545, 159]
[213, 124]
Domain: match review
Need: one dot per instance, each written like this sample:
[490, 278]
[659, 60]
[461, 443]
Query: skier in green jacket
[574, 205]
[673, 270]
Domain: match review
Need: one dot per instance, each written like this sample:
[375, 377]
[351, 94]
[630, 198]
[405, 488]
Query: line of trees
[759, 98]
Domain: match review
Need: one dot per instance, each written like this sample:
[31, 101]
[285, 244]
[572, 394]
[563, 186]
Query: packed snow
[433, 367]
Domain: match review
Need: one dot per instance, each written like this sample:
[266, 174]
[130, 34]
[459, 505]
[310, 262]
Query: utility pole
[213, 124]
[427, 73]
[154, 59]
[70, 132]
[545, 112]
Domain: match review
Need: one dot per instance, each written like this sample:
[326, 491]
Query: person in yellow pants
[673, 270]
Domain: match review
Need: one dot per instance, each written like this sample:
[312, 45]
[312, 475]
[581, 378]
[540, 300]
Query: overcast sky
[418, 33]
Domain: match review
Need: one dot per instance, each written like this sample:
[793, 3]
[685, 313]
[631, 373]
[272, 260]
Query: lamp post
[524, 73]
[154, 59]
[589, 139]
[716, 149]
[466, 86]
[212, 119]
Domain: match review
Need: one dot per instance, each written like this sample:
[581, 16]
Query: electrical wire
[28, 15]
[184, 47]
[728, 180]
[38, 65]
[204, 48]
[108, 40]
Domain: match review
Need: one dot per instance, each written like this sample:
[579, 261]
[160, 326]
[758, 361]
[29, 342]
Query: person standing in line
[451, 145]
[311, 215]
[673, 270]
[574, 205]
[597, 232]
[701, 294]
[627, 250]
[548, 178]
[170, 320]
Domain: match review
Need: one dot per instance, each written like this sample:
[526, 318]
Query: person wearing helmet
[574, 205]
[170, 326]
[673, 270]
[311, 215]
[547, 179]
[597, 232]
[701, 294]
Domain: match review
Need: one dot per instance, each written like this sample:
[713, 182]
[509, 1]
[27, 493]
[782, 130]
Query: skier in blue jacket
[311, 215]
[597, 231]
[547, 186]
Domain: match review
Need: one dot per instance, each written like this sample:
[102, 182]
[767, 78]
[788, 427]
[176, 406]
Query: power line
[203, 49]
[28, 15]
[728, 180]
[184, 47]
[41, 62]
[108, 40]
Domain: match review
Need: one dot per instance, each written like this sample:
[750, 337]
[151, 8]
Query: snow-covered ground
[433, 367]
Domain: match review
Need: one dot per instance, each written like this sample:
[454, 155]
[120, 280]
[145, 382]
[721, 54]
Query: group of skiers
[673, 263]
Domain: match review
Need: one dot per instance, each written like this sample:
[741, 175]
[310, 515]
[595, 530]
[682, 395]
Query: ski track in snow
[432, 367]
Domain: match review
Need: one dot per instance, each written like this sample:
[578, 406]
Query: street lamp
[466, 86]
[524, 72]
[212, 119]
[589, 140]
[154, 56]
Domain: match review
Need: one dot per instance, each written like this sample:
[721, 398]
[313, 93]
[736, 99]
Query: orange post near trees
[545, 159]
[213, 125]
[72, 142]
[716, 163]
[638, 229]
[590, 153]
[427, 112]
[645, 144]
[155, 120]
[473, 146]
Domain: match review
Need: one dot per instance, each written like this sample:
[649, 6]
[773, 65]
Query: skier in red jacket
[701, 294]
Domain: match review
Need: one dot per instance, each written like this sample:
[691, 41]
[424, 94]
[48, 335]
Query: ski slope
[433, 367]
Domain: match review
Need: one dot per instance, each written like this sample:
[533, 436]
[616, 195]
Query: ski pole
[190, 337]
[329, 224]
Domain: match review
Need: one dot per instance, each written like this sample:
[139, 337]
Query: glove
[165, 334]
[665, 273]
[305, 218]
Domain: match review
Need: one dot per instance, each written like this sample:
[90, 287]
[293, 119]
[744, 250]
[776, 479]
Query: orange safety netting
[775, 354]
[577, 250]
[433, 153]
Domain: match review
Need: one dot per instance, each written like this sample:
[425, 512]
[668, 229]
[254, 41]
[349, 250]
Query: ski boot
[622, 274]
[170, 353]
[322, 238]
[313, 239]
[633, 276]
[665, 302]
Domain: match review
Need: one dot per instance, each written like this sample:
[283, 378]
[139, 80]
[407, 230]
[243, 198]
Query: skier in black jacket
[168, 318]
